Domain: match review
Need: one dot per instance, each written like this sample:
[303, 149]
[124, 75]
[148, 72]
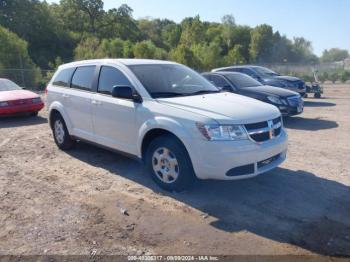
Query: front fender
[59, 107]
[164, 123]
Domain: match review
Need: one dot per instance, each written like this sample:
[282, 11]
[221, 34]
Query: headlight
[3, 104]
[36, 100]
[222, 132]
[277, 100]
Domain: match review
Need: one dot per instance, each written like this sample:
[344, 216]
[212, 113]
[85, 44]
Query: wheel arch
[158, 127]
[57, 108]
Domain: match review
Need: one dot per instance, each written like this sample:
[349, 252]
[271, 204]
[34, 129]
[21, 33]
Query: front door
[114, 119]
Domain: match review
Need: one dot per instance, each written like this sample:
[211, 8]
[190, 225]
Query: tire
[60, 133]
[317, 95]
[175, 173]
[306, 95]
[34, 113]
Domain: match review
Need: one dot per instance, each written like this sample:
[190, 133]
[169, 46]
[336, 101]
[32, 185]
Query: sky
[324, 22]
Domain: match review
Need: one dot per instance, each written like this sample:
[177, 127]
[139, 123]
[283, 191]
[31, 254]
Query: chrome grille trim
[271, 131]
[263, 130]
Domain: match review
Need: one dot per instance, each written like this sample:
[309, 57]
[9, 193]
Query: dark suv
[288, 102]
[268, 77]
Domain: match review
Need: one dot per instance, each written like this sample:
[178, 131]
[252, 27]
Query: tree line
[41, 35]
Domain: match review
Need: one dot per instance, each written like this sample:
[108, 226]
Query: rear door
[78, 101]
[114, 119]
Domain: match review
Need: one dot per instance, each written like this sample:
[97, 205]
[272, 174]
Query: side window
[63, 78]
[208, 77]
[220, 82]
[83, 78]
[109, 77]
[247, 72]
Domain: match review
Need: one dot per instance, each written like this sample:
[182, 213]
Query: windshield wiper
[203, 92]
[166, 94]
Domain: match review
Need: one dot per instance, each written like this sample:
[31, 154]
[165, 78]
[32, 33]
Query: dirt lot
[52, 202]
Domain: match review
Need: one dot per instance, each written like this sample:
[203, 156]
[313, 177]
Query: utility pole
[21, 68]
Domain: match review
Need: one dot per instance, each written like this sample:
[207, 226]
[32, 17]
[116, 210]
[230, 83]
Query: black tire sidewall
[67, 141]
[186, 176]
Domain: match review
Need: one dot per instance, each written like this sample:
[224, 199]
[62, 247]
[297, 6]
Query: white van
[167, 115]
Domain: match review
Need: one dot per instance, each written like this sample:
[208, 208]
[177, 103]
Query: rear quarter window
[63, 78]
[83, 78]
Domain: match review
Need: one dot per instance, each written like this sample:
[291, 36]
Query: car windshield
[171, 80]
[242, 81]
[7, 85]
[264, 71]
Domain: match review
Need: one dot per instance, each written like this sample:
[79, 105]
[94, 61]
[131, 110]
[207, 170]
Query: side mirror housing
[227, 88]
[126, 92]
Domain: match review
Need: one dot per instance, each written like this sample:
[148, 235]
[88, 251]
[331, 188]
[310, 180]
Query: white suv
[167, 115]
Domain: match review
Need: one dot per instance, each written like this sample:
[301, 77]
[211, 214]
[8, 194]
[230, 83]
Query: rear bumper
[21, 109]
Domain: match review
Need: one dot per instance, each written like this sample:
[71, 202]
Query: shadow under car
[295, 207]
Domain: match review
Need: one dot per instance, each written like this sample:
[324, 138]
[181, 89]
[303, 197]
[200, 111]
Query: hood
[268, 90]
[16, 95]
[225, 108]
[288, 78]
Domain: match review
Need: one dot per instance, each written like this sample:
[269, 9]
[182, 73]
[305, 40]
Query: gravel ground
[52, 202]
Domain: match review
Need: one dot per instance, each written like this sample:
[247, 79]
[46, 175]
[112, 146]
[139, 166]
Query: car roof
[224, 73]
[126, 62]
[240, 66]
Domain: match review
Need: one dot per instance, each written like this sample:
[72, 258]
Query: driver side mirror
[126, 92]
[226, 88]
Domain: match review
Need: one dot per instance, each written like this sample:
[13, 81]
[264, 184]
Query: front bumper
[21, 109]
[221, 159]
[290, 110]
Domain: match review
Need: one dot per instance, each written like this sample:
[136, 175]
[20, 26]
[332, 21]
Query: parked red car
[14, 100]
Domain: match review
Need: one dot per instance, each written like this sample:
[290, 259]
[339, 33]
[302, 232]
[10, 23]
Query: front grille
[241, 170]
[294, 100]
[268, 161]
[264, 131]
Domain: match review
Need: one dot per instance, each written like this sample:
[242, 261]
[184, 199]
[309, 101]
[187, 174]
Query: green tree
[113, 48]
[171, 35]
[147, 49]
[14, 54]
[86, 49]
[236, 56]
[303, 50]
[344, 76]
[192, 31]
[184, 55]
[261, 43]
[228, 29]
[33, 21]
[334, 76]
[207, 56]
[334, 55]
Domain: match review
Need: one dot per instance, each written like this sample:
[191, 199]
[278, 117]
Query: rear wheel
[317, 95]
[60, 133]
[169, 164]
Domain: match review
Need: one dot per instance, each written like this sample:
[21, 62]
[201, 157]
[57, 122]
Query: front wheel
[169, 164]
[60, 133]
